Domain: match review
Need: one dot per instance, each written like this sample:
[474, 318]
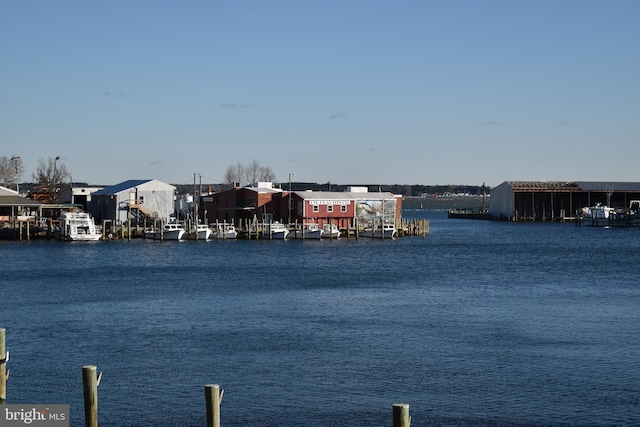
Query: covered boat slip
[557, 200]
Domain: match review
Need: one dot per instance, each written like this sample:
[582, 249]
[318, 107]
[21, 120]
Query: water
[478, 324]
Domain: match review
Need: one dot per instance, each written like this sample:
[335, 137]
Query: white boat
[597, 215]
[78, 226]
[171, 231]
[226, 231]
[274, 230]
[388, 231]
[330, 231]
[310, 231]
[203, 230]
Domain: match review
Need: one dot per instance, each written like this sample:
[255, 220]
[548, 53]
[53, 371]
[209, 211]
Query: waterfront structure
[81, 194]
[321, 207]
[143, 200]
[13, 206]
[240, 204]
[557, 200]
[341, 208]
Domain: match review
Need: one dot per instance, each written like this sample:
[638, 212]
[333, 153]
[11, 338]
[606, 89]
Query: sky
[350, 92]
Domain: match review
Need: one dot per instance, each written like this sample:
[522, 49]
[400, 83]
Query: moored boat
[78, 226]
[388, 231]
[226, 231]
[309, 231]
[171, 231]
[201, 232]
[274, 230]
[330, 231]
[597, 215]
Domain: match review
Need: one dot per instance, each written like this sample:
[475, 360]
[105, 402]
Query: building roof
[344, 195]
[17, 201]
[542, 185]
[323, 195]
[9, 197]
[121, 187]
[608, 186]
[573, 186]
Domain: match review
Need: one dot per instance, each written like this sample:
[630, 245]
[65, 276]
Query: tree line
[51, 175]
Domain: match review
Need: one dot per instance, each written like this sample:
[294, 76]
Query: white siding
[501, 201]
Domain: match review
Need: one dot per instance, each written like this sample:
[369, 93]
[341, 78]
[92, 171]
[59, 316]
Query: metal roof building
[143, 197]
[557, 200]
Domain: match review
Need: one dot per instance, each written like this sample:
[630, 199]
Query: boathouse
[142, 200]
[374, 208]
[557, 200]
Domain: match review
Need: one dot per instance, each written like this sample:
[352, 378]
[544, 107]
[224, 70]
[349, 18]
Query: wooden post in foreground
[213, 396]
[401, 416]
[3, 367]
[90, 387]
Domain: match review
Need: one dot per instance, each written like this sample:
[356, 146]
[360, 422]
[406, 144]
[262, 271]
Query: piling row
[213, 394]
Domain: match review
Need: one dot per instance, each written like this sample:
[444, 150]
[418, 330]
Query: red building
[264, 203]
[241, 204]
[321, 207]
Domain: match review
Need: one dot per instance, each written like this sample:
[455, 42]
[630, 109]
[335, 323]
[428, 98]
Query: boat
[388, 231]
[310, 231]
[604, 216]
[226, 231]
[171, 231]
[203, 232]
[597, 215]
[78, 226]
[274, 230]
[330, 231]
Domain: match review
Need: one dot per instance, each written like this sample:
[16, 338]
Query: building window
[329, 208]
[343, 208]
[316, 208]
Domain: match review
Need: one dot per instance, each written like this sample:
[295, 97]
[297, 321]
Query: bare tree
[51, 175]
[245, 175]
[235, 174]
[11, 169]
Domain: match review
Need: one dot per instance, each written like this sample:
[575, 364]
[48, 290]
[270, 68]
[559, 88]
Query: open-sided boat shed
[557, 200]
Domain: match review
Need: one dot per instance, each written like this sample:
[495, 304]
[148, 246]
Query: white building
[135, 199]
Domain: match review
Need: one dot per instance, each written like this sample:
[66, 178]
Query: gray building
[556, 200]
[146, 199]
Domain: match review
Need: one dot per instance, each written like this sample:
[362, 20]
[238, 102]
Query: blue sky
[351, 92]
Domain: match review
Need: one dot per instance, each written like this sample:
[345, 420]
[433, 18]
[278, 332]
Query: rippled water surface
[479, 323]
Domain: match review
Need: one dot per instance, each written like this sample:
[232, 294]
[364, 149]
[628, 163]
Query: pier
[25, 230]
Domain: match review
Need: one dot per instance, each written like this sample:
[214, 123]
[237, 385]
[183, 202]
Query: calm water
[480, 323]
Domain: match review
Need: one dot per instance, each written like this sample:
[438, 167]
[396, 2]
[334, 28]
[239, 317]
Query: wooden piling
[3, 367]
[90, 387]
[213, 397]
[401, 416]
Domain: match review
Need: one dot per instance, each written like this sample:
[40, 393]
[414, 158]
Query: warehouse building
[557, 200]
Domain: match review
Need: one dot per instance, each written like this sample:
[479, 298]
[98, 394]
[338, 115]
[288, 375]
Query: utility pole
[15, 164]
[290, 174]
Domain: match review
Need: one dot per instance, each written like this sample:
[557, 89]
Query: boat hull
[169, 232]
[226, 232]
[330, 232]
[309, 232]
[389, 233]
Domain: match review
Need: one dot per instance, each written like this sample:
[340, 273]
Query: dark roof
[121, 187]
[17, 201]
[601, 186]
[608, 186]
[542, 185]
